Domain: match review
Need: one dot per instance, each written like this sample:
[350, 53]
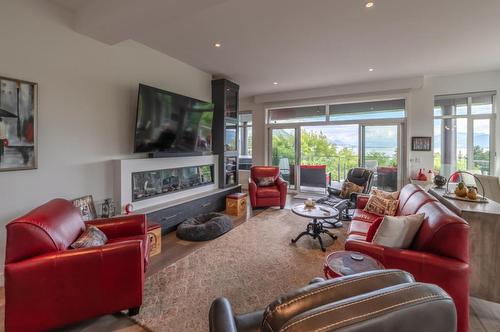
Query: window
[245, 139]
[298, 114]
[389, 109]
[463, 133]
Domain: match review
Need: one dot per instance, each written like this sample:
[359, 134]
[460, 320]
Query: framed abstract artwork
[86, 206]
[421, 143]
[18, 124]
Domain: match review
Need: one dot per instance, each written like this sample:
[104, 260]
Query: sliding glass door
[380, 153]
[284, 152]
[318, 144]
[334, 146]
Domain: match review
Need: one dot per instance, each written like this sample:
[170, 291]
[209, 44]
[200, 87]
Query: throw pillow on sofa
[91, 237]
[348, 188]
[265, 181]
[381, 206]
[385, 194]
[398, 232]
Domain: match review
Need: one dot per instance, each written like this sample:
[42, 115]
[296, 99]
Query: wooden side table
[154, 236]
[344, 263]
[236, 204]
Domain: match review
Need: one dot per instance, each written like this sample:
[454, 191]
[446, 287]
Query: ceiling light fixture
[217, 45]
[369, 4]
[275, 83]
[371, 69]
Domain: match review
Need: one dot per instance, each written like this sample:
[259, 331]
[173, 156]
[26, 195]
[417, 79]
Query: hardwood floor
[484, 315]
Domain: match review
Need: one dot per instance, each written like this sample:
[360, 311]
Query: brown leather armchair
[384, 300]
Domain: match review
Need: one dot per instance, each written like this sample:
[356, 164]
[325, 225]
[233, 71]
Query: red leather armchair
[274, 195]
[439, 253]
[49, 285]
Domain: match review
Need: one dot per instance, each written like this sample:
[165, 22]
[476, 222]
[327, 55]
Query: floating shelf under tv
[162, 154]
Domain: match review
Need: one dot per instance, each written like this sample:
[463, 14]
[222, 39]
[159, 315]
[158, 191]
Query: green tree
[481, 159]
[382, 158]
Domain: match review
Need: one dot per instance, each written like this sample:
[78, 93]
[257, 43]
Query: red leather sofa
[274, 195]
[439, 253]
[49, 285]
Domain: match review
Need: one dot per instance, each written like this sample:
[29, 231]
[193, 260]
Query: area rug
[250, 265]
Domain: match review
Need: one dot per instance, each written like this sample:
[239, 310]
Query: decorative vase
[439, 181]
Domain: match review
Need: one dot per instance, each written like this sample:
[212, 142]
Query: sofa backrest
[257, 172]
[405, 194]
[416, 201]
[442, 232]
[48, 228]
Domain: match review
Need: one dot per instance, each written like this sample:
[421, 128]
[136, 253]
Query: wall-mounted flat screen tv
[171, 123]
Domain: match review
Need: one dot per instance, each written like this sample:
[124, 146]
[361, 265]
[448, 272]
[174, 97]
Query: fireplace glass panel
[150, 184]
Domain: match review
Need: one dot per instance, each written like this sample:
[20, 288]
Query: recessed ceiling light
[371, 69]
[275, 83]
[369, 4]
[217, 45]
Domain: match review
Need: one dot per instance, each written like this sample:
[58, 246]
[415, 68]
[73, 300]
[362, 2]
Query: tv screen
[168, 122]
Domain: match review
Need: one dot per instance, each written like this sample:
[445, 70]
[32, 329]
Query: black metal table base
[315, 229]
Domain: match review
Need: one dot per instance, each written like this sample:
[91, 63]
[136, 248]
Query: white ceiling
[304, 43]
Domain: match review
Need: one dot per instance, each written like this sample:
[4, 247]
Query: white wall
[420, 105]
[86, 105]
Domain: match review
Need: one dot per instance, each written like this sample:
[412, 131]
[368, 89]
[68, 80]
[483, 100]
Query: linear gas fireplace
[149, 184]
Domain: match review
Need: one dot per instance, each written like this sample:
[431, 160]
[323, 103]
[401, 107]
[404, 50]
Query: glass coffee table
[344, 263]
[315, 228]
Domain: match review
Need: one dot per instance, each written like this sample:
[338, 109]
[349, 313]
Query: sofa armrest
[75, 284]
[368, 248]
[221, 316]
[122, 226]
[416, 262]
[361, 200]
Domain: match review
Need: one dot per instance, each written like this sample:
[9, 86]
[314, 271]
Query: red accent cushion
[271, 191]
[373, 229]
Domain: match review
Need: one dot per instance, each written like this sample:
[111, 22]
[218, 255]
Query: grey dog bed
[204, 227]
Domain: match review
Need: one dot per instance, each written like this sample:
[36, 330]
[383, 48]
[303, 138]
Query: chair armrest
[334, 191]
[252, 191]
[221, 316]
[354, 197]
[403, 307]
[315, 280]
[95, 280]
[283, 188]
[318, 294]
[361, 200]
[282, 184]
[122, 226]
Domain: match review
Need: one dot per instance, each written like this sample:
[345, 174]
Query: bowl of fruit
[464, 190]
